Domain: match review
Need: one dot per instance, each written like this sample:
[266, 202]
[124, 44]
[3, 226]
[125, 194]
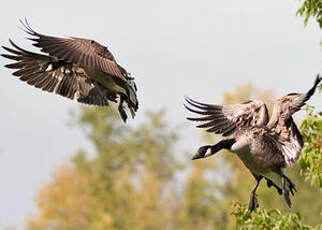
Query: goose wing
[78, 51]
[225, 119]
[283, 125]
[53, 75]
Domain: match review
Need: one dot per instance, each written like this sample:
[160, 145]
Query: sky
[173, 48]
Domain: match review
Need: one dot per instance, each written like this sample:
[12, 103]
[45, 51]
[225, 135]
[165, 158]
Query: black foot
[291, 185]
[271, 183]
[123, 114]
[253, 203]
[121, 109]
[287, 199]
[202, 152]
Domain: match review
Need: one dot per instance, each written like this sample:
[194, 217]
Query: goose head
[133, 103]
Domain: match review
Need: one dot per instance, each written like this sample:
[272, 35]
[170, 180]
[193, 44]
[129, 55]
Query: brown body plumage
[265, 146]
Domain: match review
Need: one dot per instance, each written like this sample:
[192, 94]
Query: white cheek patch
[208, 153]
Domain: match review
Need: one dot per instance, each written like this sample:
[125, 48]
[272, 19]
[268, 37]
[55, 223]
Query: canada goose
[265, 146]
[74, 67]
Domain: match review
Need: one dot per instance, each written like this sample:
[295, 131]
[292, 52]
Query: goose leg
[285, 190]
[253, 203]
[121, 108]
[208, 150]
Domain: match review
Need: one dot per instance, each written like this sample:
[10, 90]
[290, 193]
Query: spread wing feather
[77, 51]
[225, 119]
[53, 75]
[282, 122]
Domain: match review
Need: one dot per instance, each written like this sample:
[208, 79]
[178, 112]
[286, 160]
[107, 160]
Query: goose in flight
[74, 67]
[265, 146]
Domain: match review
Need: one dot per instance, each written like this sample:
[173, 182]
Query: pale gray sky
[174, 48]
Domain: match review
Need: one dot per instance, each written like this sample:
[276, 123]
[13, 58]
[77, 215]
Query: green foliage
[311, 156]
[320, 86]
[268, 219]
[311, 8]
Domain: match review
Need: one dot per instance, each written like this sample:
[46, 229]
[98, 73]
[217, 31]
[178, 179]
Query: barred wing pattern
[54, 75]
[78, 51]
[283, 125]
[225, 119]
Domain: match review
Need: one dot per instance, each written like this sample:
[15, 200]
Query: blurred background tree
[126, 185]
[311, 157]
[133, 180]
[311, 127]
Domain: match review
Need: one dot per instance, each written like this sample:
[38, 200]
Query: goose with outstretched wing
[265, 146]
[74, 67]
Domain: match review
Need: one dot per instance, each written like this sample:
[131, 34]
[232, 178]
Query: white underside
[242, 149]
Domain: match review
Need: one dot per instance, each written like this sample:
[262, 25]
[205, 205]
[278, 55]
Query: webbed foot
[271, 183]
